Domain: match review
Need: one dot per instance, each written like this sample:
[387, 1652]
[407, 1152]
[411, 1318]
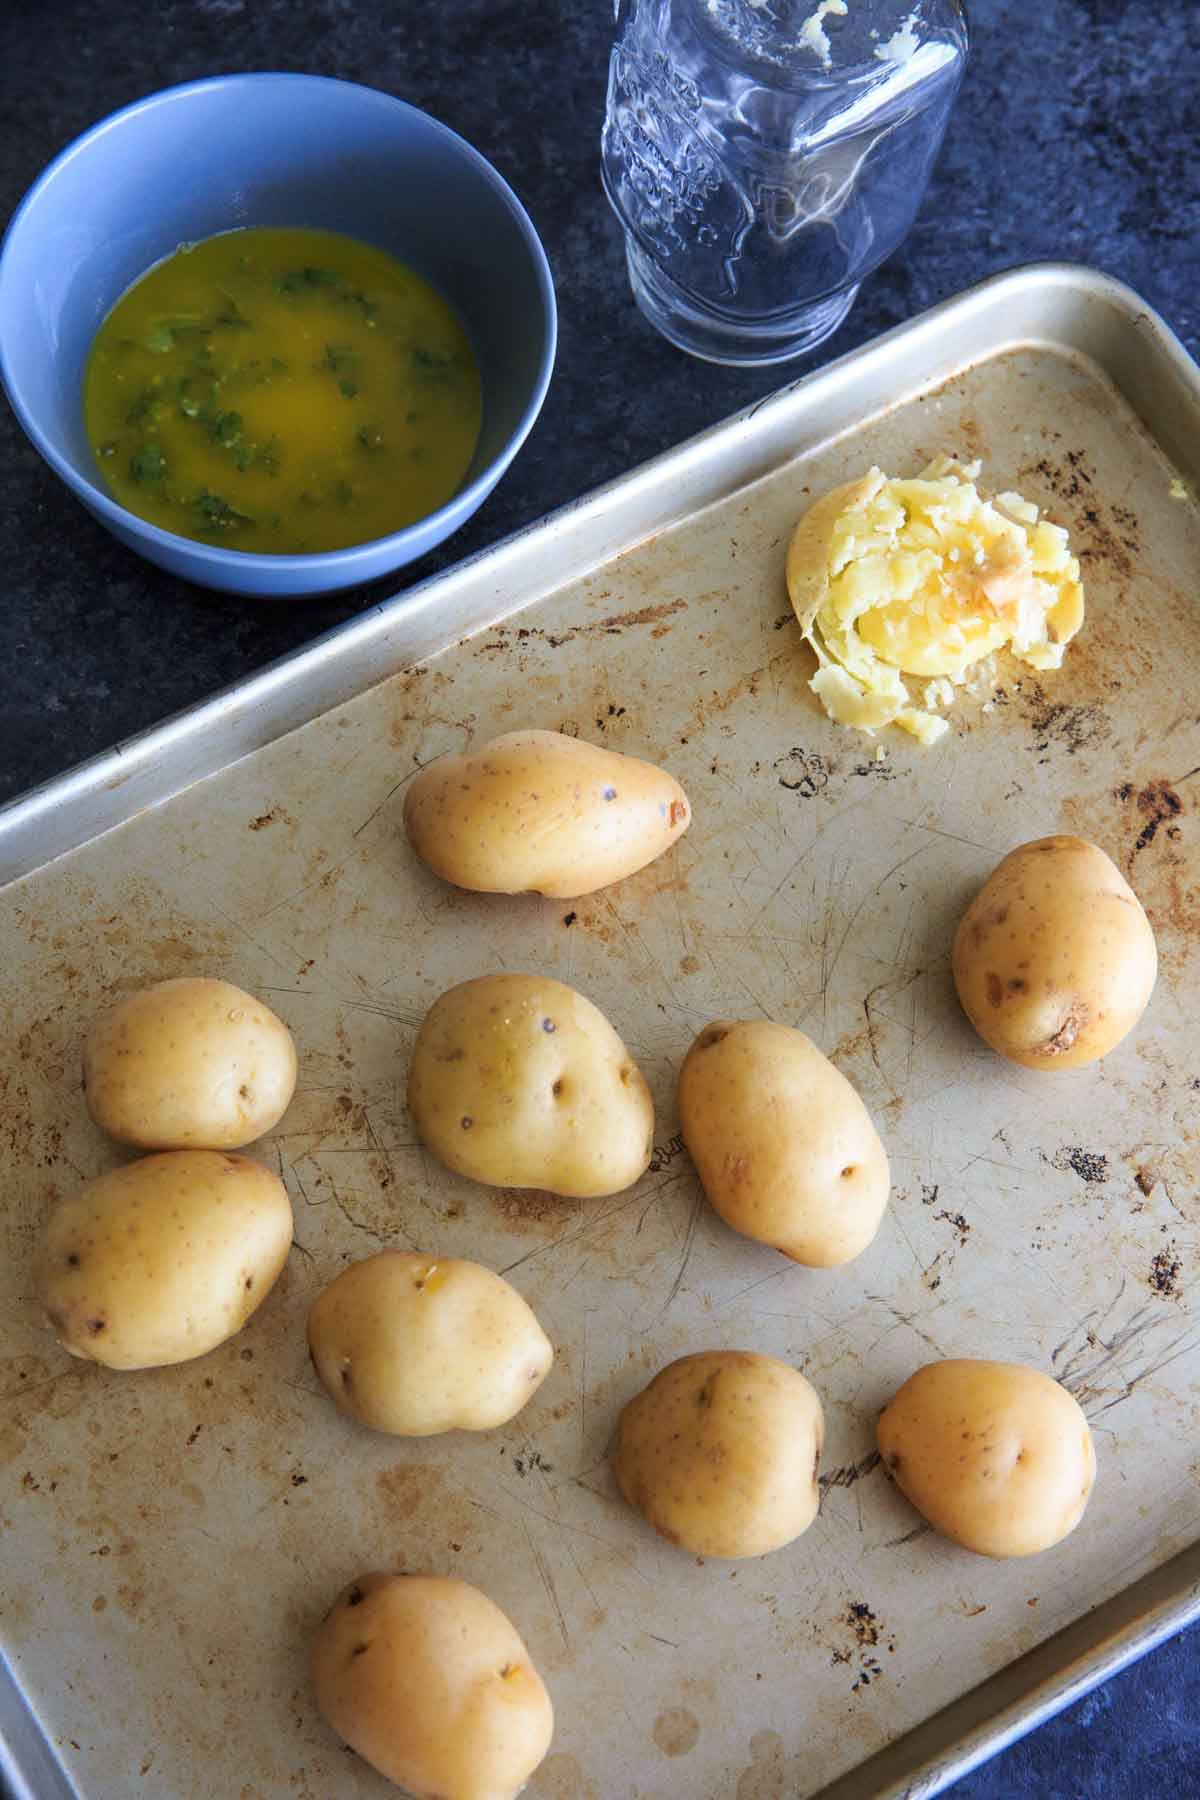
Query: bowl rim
[465, 501]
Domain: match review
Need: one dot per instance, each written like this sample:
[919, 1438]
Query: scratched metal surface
[168, 1540]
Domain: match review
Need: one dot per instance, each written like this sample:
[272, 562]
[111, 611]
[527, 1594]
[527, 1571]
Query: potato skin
[785, 1149]
[996, 1456]
[413, 1345]
[430, 1682]
[519, 1081]
[190, 1064]
[720, 1453]
[1054, 960]
[162, 1260]
[538, 812]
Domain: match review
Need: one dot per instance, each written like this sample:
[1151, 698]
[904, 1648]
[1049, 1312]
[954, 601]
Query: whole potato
[721, 1453]
[164, 1259]
[518, 1081]
[537, 812]
[1054, 959]
[414, 1345]
[191, 1064]
[429, 1681]
[997, 1456]
[783, 1145]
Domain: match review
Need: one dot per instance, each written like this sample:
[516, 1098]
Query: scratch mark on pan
[547, 1582]
[395, 790]
[907, 1538]
[569, 1235]
[1182, 1346]
[248, 935]
[908, 1319]
[1097, 1355]
[874, 893]
[689, 1240]
[849, 1473]
[918, 825]
[750, 1286]
[592, 1595]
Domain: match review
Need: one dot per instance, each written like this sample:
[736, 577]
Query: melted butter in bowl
[283, 391]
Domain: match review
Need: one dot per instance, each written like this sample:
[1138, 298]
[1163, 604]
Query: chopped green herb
[159, 339]
[215, 514]
[337, 358]
[356, 297]
[370, 437]
[109, 449]
[143, 407]
[348, 388]
[297, 281]
[231, 313]
[432, 365]
[343, 493]
[226, 429]
[148, 463]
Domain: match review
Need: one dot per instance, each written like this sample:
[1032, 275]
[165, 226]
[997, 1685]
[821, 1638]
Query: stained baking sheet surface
[169, 1539]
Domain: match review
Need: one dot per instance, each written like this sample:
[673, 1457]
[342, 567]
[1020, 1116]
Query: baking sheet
[167, 1541]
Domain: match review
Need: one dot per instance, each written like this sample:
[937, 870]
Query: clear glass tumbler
[764, 156]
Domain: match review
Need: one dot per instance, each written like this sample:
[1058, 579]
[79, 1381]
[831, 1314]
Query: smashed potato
[925, 577]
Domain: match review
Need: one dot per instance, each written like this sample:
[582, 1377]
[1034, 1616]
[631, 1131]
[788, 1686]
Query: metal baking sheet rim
[1071, 309]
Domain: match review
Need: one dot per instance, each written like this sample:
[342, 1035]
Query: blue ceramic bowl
[242, 150]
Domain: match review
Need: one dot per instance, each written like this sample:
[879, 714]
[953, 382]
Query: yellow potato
[414, 1345]
[721, 1453]
[925, 577]
[190, 1064]
[518, 1081]
[1054, 960]
[537, 812]
[429, 1681]
[784, 1146]
[164, 1259]
[997, 1456]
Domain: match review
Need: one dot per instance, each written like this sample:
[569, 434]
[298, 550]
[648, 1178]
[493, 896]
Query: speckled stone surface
[1077, 135]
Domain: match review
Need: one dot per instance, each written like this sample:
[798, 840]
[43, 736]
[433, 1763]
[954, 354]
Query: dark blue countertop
[1077, 136]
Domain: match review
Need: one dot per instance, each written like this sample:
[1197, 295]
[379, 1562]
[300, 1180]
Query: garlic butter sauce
[282, 390]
